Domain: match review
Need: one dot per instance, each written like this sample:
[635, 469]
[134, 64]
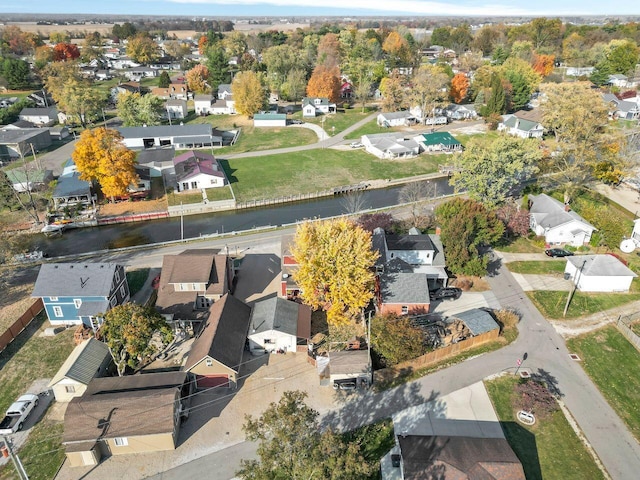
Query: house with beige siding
[87, 361]
[216, 353]
[125, 415]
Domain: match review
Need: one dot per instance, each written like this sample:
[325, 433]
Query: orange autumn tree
[65, 51]
[335, 268]
[459, 88]
[543, 64]
[197, 79]
[100, 155]
[325, 82]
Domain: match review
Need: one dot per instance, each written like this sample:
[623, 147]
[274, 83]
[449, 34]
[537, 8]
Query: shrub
[539, 241]
[506, 318]
[464, 284]
[535, 397]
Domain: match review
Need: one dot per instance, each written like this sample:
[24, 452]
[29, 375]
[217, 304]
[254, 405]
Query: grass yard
[375, 439]
[538, 267]
[315, 170]
[213, 194]
[613, 365]
[522, 245]
[551, 304]
[548, 449]
[336, 123]
[136, 279]
[219, 193]
[635, 327]
[370, 128]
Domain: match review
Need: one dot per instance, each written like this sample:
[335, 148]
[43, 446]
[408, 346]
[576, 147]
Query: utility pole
[573, 290]
[181, 222]
[15, 459]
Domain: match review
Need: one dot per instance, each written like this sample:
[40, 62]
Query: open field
[104, 28]
[551, 303]
[315, 170]
[613, 365]
[548, 449]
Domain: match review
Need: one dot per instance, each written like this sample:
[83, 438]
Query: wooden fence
[19, 325]
[623, 325]
[388, 374]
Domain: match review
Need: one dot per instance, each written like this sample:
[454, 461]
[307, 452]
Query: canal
[84, 240]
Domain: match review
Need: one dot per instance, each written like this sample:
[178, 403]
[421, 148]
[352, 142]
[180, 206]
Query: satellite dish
[628, 245]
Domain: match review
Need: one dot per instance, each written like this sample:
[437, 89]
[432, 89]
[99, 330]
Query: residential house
[314, 106]
[557, 222]
[15, 143]
[79, 293]
[7, 102]
[396, 119]
[59, 132]
[102, 74]
[206, 104]
[88, 360]
[389, 145]
[158, 160]
[126, 415]
[438, 142]
[216, 353]
[350, 366]
[428, 118]
[197, 170]
[579, 71]
[270, 120]
[618, 80]
[70, 190]
[122, 63]
[28, 180]
[176, 109]
[456, 436]
[190, 282]
[182, 137]
[175, 91]
[42, 117]
[289, 289]
[454, 111]
[224, 91]
[518, 125]
[628, 109]
[125, 87]
[599, 273]
[402, 292]
[279, 325]
[346, 90]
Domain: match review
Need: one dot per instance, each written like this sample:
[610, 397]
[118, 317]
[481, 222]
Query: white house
[278, 324]
[396, 119]
[206, 104]
[313, 106]
[176, 109]
[87, 361]
[198, 170]
[270, 120]
[180, 136]
[557, 222]
[385, 145]
[599, 273]
[514, 124]
[40, 116]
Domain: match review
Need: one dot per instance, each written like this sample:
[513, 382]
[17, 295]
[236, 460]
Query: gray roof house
[599, 273]
[515, 124]
[278, 324]
[389, 145]
[87, 361]
[557, 222]
[350, 366]
[478, 321]
[396, 119]
[180, 136]
[70, 189]
[19, 142]
[45, 116]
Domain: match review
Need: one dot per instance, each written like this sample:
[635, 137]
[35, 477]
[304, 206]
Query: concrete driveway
[530, 282]
[467, 301]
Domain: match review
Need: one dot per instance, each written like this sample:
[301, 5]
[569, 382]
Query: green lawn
[613, 365]
[340, 121]
[522, 245]
[213, 194]
[539, 267]
[315, 170]
[136, 279]
[371, 128]
[550, 448]
[551, 304]
[219, 193]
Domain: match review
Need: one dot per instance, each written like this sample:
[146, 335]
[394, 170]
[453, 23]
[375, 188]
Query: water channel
[141, 233]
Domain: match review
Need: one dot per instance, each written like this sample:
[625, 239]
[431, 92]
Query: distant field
[102, 28]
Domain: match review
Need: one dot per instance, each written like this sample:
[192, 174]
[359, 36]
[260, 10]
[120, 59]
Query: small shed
[87, 361]
[599, 273]
[478, 321]
[270, 120]
[353, 365]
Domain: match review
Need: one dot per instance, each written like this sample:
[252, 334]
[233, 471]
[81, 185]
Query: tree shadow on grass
[229, 172]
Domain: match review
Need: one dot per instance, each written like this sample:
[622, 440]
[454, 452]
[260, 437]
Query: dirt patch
[15, 301]
[131, 208]
[470, 284]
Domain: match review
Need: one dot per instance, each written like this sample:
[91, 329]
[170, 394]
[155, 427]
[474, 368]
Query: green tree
[280, 60]
[396, 339]
[123, 31]
[335, 260]
[136, 110]
[218, 64]
[127, 331]
[295, 86]
[291, 446]
[491, 169]
[164, 81]
[622, 56]
[497, 100]
[441, 36]
[16, 72]
[466, 228]
[249, 93]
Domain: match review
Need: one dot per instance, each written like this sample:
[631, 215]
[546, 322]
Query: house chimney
[567, 208]
[438, 230]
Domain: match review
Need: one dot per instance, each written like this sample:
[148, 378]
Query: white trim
[121, 441]
[57, 311]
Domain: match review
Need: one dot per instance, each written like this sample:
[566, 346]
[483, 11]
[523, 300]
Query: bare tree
[353, 202]
[28, 204]
[415, 193]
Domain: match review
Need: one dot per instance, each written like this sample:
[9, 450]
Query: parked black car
[557, 252]
[449, 293]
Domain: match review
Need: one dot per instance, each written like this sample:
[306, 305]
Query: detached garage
[270, 120]
[216, 354]
[599, 273]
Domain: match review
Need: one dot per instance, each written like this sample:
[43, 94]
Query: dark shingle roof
[409, 242]
[275, 314]
[405, 288]
[74, 280]
[193, 130]
[477, 321]
[223, 335]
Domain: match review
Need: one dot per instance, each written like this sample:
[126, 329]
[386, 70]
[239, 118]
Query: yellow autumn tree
[100, 155]
[197, 79]
[335, 259]
[325, 82]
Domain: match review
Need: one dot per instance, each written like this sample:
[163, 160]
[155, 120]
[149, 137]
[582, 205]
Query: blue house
[77, 293]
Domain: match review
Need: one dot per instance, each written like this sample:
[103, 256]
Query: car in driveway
[448, 293]
[356, 145]
[346, 385]
[296, 122]
[557, 252]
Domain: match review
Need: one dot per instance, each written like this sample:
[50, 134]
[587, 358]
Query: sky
[288, 8]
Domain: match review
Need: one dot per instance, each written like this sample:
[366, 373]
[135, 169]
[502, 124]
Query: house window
[405, 309]
[209, 362]
[70, 389]
[121, 441]
[53, 299]
[77, 302]
[268, 341]
[194, 185]
[117, 276]
[113, 302]
[57, 311]
[123, 291]
[203, 302]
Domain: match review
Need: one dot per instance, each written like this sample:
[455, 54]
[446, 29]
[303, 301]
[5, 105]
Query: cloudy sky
[329, 7]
